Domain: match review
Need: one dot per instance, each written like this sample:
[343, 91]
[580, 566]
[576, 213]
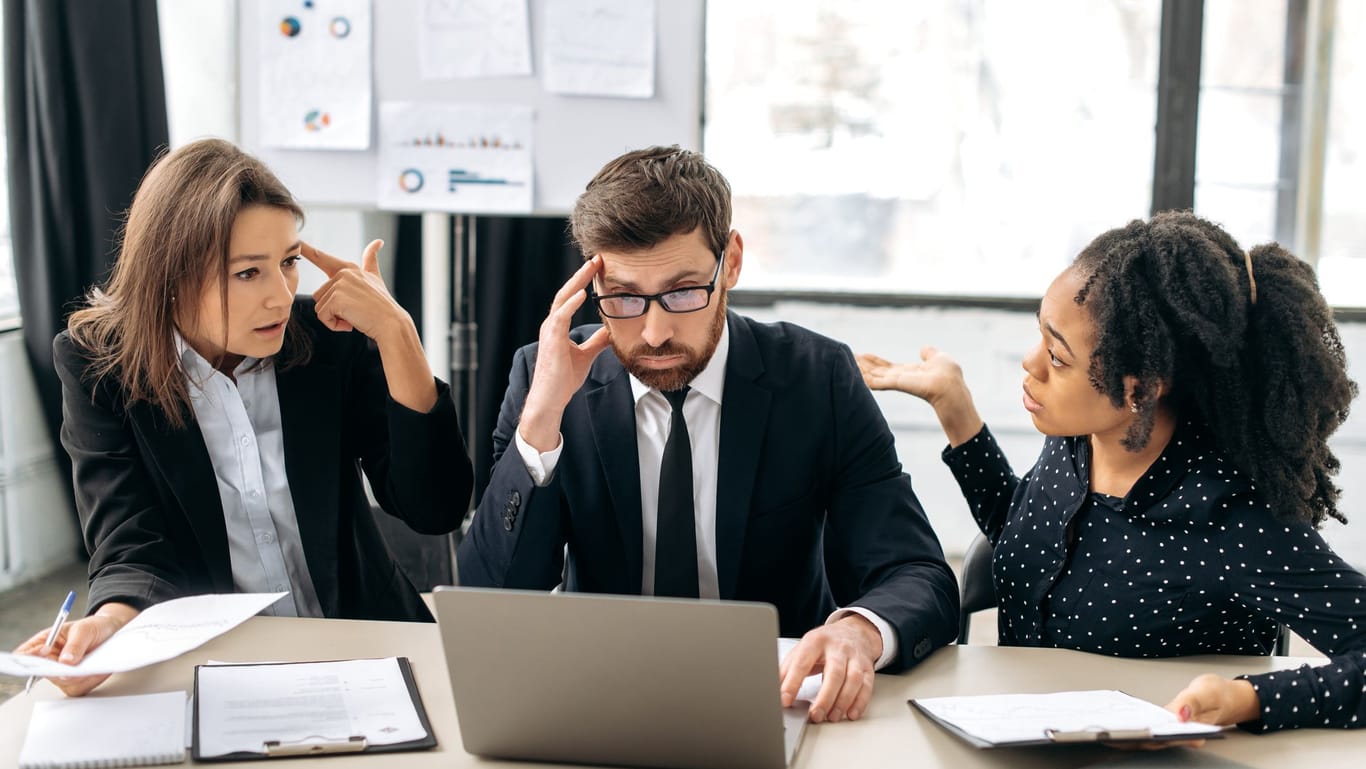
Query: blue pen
[56, 627]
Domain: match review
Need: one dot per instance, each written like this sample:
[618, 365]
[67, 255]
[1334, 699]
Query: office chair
[424, 558]
[1282, 647]
[975, 586]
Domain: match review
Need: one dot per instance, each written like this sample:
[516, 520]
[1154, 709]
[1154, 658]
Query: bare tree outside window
[935, 147]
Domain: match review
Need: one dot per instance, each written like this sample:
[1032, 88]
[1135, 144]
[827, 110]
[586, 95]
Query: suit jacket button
[922, 648]
[514, 499]
[508, 521]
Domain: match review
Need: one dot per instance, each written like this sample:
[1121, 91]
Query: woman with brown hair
[218, 425]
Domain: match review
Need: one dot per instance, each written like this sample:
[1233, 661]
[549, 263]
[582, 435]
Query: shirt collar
[196, 367]
[710, 382]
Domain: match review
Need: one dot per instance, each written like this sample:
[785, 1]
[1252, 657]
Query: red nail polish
[1185, 712]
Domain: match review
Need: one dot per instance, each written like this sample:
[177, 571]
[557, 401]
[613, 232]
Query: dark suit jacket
[149, 505]
[813, 510]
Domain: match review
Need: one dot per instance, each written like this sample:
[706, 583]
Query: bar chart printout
[474, 159]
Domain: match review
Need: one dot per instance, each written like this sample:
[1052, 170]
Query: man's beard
[694, 361]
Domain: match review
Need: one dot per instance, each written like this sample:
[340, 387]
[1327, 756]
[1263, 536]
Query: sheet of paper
[315, 73]
[462, 158]
[473, 38]
[811, 685]
[600, 47]
[243, 706]
[1007, 718]
[106, 731]
[161, 632]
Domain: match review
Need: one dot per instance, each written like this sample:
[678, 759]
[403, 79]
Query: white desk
[890, 735]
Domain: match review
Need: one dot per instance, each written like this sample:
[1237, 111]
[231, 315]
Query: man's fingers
[865, 694]
[577, 282]
[833, 675]
[856, 679]
[329, 264]
[599, 341]
[794, 668]
[369, 261]
[568, 307]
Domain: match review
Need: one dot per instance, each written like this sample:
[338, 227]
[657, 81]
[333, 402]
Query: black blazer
[813, 510]
[149, 505]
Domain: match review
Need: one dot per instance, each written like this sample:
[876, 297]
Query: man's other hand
[845, 652]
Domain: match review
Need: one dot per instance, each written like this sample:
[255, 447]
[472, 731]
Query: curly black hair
[1253, 355]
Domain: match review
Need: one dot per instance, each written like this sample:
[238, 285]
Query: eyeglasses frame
[656, 298]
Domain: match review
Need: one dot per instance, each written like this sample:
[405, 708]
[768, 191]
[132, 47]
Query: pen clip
[314, 745]
[1097, 734]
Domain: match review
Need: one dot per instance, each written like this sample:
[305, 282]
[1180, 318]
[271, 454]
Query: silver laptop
[616, 679]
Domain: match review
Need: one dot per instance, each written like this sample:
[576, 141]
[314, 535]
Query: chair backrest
[1282, 647]
[975, 586]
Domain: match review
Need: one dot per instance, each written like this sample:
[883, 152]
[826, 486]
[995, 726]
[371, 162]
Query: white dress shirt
[702, 412]
[241, 427]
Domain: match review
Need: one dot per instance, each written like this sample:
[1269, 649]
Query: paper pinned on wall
[600, 48]
[473, 38]
[473, 159]
[315, 74]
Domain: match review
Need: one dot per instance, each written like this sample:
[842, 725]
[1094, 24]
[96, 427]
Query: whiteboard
[574, 135]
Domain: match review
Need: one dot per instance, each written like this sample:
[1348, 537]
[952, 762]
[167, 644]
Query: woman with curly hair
[1188, 390]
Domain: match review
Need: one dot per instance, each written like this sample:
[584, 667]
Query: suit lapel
[612, 413]
[744, 416]
[310, 419]
[184, 462]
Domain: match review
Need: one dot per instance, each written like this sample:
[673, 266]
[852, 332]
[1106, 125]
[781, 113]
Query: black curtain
[85, 114]
[521, 263]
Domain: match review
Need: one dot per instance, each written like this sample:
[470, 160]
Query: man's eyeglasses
[678, 300]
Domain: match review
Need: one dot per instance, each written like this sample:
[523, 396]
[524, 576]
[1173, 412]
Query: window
[1278, 156]
[9, 288]
[934, 147]
[1342, 240]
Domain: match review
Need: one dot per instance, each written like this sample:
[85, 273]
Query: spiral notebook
[137, 730]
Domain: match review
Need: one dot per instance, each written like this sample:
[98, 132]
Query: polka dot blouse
[1191, 561]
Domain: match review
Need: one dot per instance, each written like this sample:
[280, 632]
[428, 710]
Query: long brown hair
[175, 241]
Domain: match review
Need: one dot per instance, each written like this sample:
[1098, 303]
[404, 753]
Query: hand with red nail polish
[1211, 699]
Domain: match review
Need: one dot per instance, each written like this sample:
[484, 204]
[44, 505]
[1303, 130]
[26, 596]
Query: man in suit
[708, 455]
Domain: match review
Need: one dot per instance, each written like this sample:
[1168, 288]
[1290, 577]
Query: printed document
[1013, 719]
[159, 633]
[243, 707]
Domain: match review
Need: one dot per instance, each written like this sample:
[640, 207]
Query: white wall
[199, 55]
[989, 344]
[37, 523]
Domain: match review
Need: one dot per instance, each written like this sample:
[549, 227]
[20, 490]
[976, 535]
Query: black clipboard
[1088, 736]
[353, 744]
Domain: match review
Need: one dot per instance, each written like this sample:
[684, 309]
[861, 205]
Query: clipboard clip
[1097, 734]
[314, 746]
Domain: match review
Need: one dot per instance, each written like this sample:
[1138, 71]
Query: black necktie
[676, 541]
